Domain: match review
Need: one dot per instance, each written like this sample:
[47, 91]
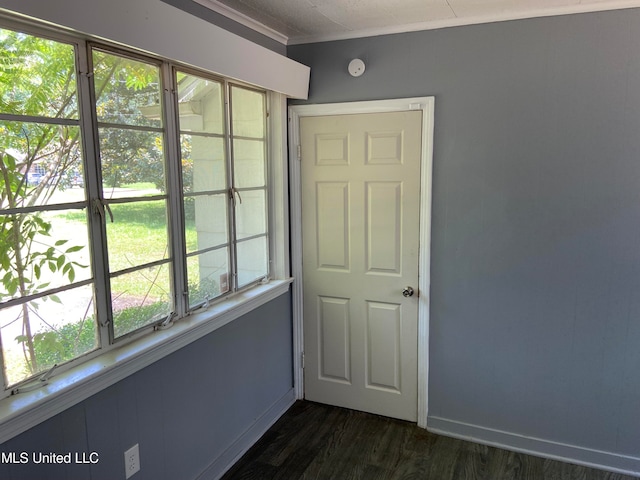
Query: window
[224, 172]
[133, 192]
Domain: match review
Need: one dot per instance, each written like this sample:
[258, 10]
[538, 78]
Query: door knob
[407, 292]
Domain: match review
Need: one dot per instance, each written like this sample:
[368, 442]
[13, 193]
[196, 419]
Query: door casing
[426, 105]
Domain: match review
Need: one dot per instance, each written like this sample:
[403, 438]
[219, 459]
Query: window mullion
[97, 234]
[233, 251]
[277, 181]
[176, 220]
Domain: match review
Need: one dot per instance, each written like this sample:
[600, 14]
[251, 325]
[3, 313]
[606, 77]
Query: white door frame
[426, 104]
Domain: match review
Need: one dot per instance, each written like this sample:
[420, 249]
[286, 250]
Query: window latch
[166, 323]
[232, 195]
[40, 382]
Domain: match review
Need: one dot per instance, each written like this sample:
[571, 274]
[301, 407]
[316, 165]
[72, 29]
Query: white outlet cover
[132, 461]
[356, 67]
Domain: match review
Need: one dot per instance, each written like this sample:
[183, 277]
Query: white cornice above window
[161, 29]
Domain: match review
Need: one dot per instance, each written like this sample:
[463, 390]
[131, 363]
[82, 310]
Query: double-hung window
[133, 192]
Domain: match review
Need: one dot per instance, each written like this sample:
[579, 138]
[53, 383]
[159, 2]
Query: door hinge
[302, 359]
[299, 153]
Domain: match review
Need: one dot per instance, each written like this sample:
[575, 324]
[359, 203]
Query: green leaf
[72, 275]
[55, 298]
[77, 248]
[60, 242]
[36, 270]
[61, 260]
[5, 261]
[9, 160]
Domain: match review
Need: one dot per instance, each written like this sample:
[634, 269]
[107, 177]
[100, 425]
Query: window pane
[42, 162]
[37, 76]
[42, 251]
[132, 163]
[208, 275]
[200, 104]
[203, 164]
[248, 163]
[252, 260]
[140, 298]
[127, 91]
[209, 222]
[247, 113]
[251, 214]
[43, 332]
[138, 234]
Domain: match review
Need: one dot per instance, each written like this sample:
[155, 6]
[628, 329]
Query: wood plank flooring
[313, 441]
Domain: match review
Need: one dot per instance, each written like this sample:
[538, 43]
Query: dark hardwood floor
[313, 441]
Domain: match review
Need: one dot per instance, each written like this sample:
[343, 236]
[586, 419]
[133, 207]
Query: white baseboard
[230, 456]
[536, 446]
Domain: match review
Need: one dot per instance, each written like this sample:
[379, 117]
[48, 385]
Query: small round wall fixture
[356, 67]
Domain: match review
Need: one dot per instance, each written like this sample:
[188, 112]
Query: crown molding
[462, 21]
[414, 27]
[245, 20]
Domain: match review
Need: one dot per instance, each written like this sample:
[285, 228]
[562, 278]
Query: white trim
[424, 271]
[243, 19]
[21, 412]
[536, 446]
[238, 448]
[278, 186]
[152, 26]
[462, 21]
[295, 219]
[426, 104]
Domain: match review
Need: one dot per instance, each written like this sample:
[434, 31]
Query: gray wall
[184, 411]
[535, 297]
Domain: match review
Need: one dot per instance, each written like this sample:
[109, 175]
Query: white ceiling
[304, 21]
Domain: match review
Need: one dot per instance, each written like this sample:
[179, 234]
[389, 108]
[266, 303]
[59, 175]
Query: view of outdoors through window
[87, 241]
[205, 186]
[133, 189]
[248, 133]
[207, 175]
[47, 282]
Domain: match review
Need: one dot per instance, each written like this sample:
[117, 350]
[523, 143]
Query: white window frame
[82, 378]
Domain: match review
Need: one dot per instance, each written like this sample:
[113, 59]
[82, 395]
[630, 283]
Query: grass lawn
[137, 236]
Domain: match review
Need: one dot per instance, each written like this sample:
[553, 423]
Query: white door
[360, 232]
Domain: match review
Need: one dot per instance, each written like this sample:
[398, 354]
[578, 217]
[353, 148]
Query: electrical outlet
[132, 461]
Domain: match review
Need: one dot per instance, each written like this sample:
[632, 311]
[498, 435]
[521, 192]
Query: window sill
[23, 411]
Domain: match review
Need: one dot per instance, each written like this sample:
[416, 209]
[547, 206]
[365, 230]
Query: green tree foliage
[37, 79]
[39, 158]
[127, 94]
